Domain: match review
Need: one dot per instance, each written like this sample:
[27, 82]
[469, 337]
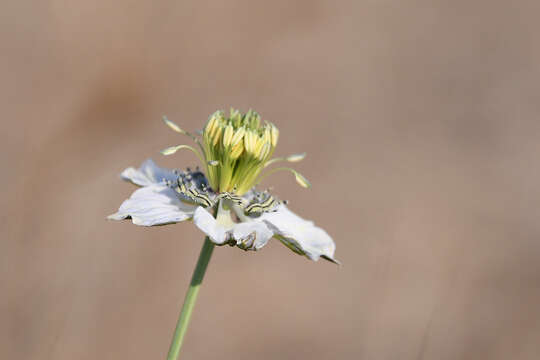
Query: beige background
[421, 124]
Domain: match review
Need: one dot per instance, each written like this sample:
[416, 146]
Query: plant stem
[191, 298]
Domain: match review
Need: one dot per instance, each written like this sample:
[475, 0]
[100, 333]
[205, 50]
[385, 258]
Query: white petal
[252, 234]
[208, 225]
[300, 235]
[154, 205]
[149, 173]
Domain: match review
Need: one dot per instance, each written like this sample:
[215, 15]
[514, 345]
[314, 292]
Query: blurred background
[421, 124]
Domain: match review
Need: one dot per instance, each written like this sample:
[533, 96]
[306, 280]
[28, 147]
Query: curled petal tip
[337, 262]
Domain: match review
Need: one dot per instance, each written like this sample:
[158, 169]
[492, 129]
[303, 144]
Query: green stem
[191, 298]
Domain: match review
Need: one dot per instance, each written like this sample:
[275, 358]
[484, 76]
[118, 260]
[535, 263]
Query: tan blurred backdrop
[421, 124]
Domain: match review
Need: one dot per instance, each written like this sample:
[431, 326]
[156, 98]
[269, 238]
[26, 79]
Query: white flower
[248, 221]
[234, 151]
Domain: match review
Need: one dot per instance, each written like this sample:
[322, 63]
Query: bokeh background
[421, 124]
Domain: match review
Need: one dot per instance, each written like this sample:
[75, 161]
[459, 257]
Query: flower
[224, 203]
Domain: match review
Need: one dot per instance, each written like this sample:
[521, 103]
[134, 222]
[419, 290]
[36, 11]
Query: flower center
[237, 148]
[192, 187]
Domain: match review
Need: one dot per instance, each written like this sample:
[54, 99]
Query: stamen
[300, 179]
[290, 158]
[173, 126]
[177, 128]
[238, 146]
[172, 149]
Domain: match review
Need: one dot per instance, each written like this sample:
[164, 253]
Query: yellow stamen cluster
[237, 148]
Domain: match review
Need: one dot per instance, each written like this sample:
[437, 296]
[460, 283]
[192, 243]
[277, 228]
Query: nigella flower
[223, 201]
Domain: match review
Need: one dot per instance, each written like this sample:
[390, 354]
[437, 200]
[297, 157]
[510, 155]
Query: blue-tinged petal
[149, 173]
[154, 205]
[300, 235]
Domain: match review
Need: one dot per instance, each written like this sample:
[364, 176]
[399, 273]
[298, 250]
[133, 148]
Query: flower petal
[154, 205]
[208, 225]
[149, 173]
[300, 235]
[251, 235]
